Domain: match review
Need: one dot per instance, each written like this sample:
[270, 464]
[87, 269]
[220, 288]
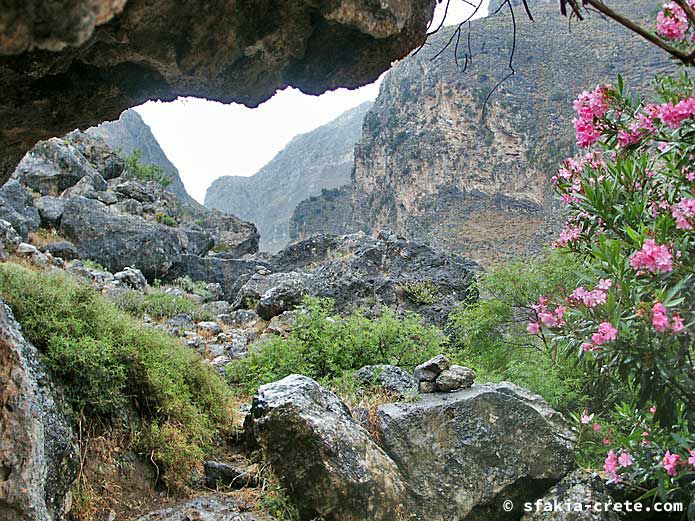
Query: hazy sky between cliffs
[206, 139]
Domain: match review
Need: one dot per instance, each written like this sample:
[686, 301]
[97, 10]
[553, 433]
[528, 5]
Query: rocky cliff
[129, 133]
[320, 159]
[429, 166]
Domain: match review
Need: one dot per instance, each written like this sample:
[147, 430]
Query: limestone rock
[16, 207]
[50, 210]
[454, 378]
[216, 507]
[463, 453]
[328, 463]
[429, 371]
[577, 488]
[38, 450]
[389, 377]
[225, 475]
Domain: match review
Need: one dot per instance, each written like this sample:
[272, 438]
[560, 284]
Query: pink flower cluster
[670, 462]
[684, 213]
[661, 321]
[546, 316]
[569, 234]
[672, 22]
[614, 462]
[674, 114]
[589, 106]
[593, 298]
[606, 333]
[652, 257]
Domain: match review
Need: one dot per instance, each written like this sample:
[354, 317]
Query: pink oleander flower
[586, 133]
[691, 459]
[670, 462]
[652, 410]
[673, 115]
[587, 346]
[606, 333]
[625, 459]
[590, 299]
[659, 317]
[677, 325]
[672, 22]
[605, 284]
[596, 427]
[533, 328]
[594, 104]
[684, 213]
[610, 465]
[690, 176]
[569, 234]
[652, 257]
[586, 418]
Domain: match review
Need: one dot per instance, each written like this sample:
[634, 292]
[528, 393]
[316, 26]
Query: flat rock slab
[462, 454]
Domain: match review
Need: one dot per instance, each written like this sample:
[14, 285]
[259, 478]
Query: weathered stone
[26, 249]
[17, 207]
[131, 278]
[230, 274]
[53, 166]
[461, 454]
[217, 307]
[229, 52]
[63, 249]
[328, 463]
[38, 449]
[429, 371]
[456, 377]
[357, 271]
[209, 328]
[389, 377]
[50, 210]
[577, 488]
[9, 239]
[285, 295]
[222, 474]
[240, 318]
[427, 387]
[231, 235]
[119, 241]
[216, 507]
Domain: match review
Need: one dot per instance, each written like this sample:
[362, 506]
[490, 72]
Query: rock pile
[438, 375]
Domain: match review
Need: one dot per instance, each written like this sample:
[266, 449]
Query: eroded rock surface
[216, 507]
[38, 449]
[227, 51]
[329, 464]
[461, 454]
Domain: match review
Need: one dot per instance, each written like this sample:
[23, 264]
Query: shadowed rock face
[100, 62]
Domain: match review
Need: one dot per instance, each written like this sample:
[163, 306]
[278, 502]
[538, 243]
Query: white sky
[206, 139]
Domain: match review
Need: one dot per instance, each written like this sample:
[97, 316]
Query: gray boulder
[232, 236]
[50, 210]
[17, 207]
[454, 378]
[230, 274]
[462, 454]
[216, 507]
[52, 166]
[392, 378]
[9, 239]
[287, 294]
[577, 488]
[63, 249]
[328, 463]
[224, 475]
[38, 449]
[131, 278]
[119, 241]
[429, 371]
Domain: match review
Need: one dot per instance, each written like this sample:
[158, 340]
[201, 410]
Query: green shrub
[135, 169]
[490, 335]
[324, 346]
[106, 360]
[163, 218]
[197, 287]
[157, 304]
[422, 292]
[93, 265]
